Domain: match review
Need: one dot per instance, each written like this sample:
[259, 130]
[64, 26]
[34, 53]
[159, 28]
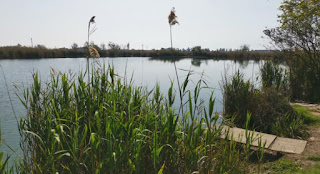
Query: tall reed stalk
[172, 19]
[90, 32]
[92, 53]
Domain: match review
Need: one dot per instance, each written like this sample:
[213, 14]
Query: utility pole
[31, 43]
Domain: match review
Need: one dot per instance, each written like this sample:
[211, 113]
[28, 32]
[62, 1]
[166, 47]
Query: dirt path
[313, 145]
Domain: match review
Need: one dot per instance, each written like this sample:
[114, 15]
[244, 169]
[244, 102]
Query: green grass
[306, 115]
[284, 166]
[287, 166]
[314, 170]
[314, 158]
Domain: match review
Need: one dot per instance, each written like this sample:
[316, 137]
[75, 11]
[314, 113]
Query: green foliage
[270, 111]
[298, 36]
[314, 158]
[196, 51]
[285, 166]
[129, 129]
[299, 27]
[304, 78]
[238, 98]
[245, 48]
[273, 76]
[314, 170]
[305, 115]
[273, 114]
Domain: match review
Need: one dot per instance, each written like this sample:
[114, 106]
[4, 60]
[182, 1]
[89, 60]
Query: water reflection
[196, 62]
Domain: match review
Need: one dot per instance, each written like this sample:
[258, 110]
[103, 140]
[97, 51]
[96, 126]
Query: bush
[273, 76]
[270, 111]
[271, 108]
[238, 97]
[304, 78]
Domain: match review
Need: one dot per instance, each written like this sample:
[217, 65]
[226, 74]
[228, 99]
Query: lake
[146, 72]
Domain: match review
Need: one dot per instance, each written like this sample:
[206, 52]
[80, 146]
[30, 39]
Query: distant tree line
[114, 50]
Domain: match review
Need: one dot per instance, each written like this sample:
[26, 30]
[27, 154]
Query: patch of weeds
[314, 170]
[314, 158]
[285, 166]
[306, 115]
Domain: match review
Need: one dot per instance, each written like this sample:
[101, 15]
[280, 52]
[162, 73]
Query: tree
[74, 46]
[245, 48]
[299, 37]
[103, 46]
[41, 46]
[196, 51]
[114, 46]
[300, 23]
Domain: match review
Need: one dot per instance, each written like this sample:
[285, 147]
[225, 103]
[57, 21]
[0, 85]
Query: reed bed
[269, 106]
[129, 129]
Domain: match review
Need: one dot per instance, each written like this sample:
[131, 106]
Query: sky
[210, 24]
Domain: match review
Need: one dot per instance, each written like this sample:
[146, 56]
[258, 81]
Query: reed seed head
[172, 17]
[93, 52]
[92, 20]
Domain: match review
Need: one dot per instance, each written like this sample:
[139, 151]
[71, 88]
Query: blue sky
[211, 24]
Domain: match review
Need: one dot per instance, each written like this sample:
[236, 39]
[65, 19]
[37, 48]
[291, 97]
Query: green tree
[74, 46]
[113, 46]
[299, 37]
[196, 51]
[245, 48]
[300, 23]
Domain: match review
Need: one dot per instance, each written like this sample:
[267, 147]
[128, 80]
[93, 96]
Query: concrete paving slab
[273, 142]
[239, 135]
[288, 145]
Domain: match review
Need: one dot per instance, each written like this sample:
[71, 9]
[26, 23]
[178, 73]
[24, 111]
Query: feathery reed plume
[172, 19]
[92, 19]
[93, 52]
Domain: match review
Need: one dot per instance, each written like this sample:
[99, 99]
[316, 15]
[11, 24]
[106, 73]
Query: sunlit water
[146, 72]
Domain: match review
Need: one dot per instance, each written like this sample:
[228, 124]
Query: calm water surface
[145, 71]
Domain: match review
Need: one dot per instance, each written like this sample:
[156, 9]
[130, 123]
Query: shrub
[273, 76]
[270, 111]
[304, 78]
[238, 97]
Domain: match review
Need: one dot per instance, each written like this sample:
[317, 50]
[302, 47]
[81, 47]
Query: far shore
[41, 52]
